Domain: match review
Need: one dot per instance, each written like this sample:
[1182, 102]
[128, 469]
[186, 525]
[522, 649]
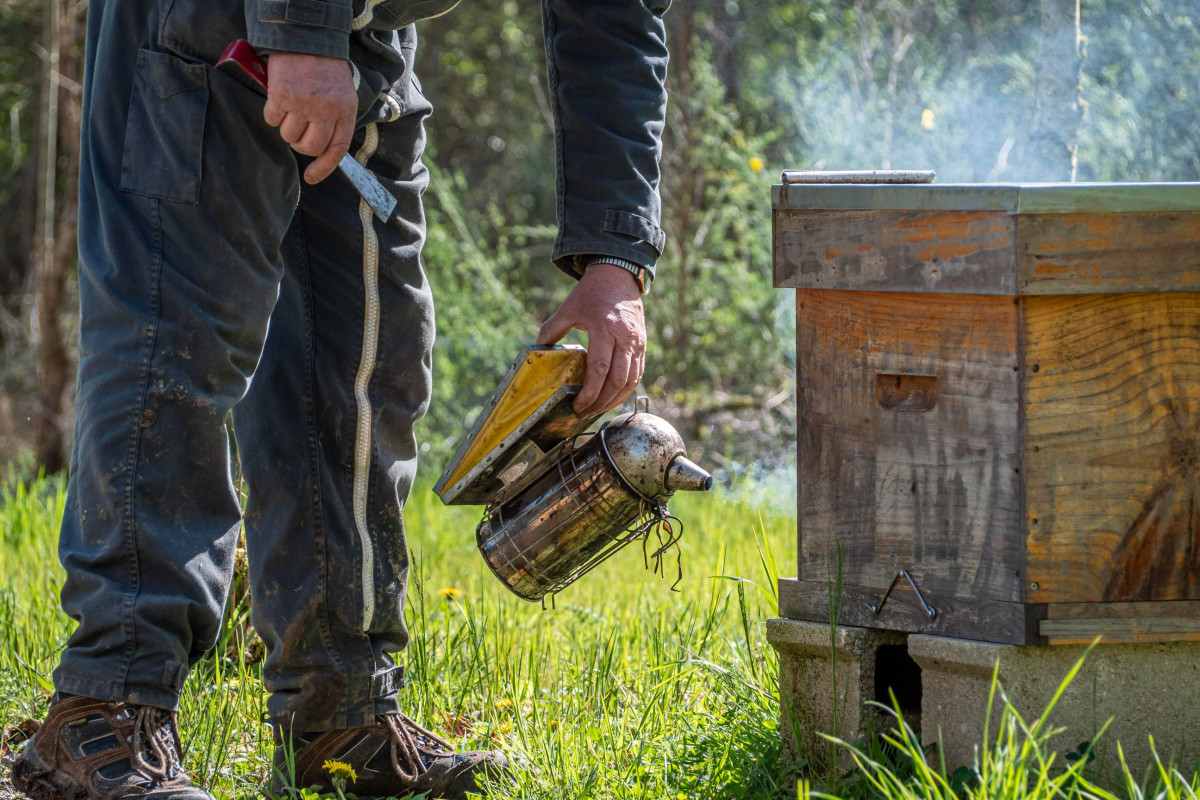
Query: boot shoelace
[406, 749]
[156, 754]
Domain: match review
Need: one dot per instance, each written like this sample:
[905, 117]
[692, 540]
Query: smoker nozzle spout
[684, 475]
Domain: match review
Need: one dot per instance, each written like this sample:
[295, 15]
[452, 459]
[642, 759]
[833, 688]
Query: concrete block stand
[943, 686]
[1146, 689]
[824, 690]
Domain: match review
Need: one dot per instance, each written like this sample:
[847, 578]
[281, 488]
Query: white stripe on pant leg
[362, 445]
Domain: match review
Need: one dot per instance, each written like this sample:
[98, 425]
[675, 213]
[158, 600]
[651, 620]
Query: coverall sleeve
[607, 66]
[315, 27]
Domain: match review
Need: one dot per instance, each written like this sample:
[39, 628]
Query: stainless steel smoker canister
[589, 497]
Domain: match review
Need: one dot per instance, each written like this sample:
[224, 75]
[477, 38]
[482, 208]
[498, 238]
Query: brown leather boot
[394, 757]
[92, 750]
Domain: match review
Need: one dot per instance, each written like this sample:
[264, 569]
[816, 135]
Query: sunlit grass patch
[32, 627]
[624, 689]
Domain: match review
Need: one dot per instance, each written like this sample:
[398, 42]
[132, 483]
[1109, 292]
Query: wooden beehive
[999, 393]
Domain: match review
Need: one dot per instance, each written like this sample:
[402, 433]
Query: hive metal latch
[875, 608]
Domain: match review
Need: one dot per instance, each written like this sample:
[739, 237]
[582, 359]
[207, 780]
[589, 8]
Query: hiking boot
[394, 757]
[92, 750]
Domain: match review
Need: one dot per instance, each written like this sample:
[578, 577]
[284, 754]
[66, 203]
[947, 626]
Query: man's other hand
[607, 306]
[311, 99]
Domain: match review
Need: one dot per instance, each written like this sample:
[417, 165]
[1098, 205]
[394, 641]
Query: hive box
[999, 395]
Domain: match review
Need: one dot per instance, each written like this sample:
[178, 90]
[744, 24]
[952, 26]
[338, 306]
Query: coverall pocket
[164, 135]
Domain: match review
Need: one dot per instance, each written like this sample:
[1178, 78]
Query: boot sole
[41, 781]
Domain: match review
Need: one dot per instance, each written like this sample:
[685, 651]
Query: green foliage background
[755, 88]
[770, 85]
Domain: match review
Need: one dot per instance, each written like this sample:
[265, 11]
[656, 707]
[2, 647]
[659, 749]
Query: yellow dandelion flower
[504, 704]
[340, 770]
[927, 119]
[450, 592]
[757, 164]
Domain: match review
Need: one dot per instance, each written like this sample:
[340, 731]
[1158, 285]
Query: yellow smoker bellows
[529, 413]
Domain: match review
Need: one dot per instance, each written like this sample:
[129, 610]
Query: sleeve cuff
[312, 27]
[572, 258]
[315, 13]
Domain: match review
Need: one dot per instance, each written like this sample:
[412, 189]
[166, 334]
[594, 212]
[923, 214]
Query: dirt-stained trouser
[211, 280]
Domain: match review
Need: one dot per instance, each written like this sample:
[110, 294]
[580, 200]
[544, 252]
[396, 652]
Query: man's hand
[311, 99]
[607, 306]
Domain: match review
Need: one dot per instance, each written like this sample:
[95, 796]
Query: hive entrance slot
[911, 393]
[896, 670]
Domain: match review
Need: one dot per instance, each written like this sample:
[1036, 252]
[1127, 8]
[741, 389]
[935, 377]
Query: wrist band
[638, 272]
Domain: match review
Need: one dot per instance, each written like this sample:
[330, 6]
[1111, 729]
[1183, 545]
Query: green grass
[624, 690]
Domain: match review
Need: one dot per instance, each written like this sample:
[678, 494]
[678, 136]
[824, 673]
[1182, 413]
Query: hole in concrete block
[896, 670]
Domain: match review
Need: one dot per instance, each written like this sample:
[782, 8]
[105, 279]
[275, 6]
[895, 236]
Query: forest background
[979, 90]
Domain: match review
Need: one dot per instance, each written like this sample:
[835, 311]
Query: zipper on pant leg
[362, 445]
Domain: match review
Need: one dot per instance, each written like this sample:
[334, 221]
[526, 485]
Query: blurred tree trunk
[1052, 149]
[723, 33]
[16, 248]
[683, 180]
[55, 246]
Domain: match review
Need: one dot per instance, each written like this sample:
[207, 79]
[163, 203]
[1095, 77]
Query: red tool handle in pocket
[242, 55]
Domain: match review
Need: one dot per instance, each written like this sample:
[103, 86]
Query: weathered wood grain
[1123, 629]
[896, 251]
[936, 492]
[988, 252]
[1108, 253]
[1034, 198]
[985, 620]
[1167, 608]
[1112, 447]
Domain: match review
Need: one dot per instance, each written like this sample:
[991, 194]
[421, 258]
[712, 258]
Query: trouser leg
[185, 194]
[349, 354]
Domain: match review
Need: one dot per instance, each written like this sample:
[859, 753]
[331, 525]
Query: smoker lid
[1011, 198]
[527, 416]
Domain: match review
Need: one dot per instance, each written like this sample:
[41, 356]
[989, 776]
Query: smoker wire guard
[652, 516]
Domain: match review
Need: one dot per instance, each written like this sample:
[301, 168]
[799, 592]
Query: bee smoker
[560, 500]
[593, 495]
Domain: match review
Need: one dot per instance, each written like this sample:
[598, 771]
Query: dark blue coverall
[210, 280]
